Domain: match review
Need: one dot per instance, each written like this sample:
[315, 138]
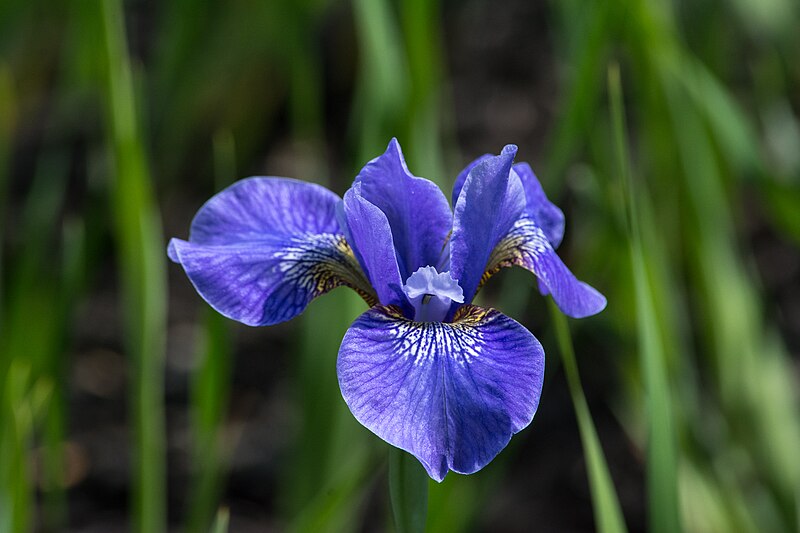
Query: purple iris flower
[422, 368]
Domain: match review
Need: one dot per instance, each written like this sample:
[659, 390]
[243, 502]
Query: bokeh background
[127, 405]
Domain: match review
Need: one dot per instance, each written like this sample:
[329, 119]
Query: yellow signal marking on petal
[467, 315]
[461, 340]
[323, 262]
[523, 243]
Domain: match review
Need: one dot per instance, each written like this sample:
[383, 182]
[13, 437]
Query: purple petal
[416, 209]
[451, 394]
[462, 176]
[546, 214]
[527, 246]
[367, 229]
[491, 200]
[254, 207]
[549, 217]
[263, 248]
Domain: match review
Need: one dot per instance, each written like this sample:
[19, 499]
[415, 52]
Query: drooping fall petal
[451, 394]
[263, 248]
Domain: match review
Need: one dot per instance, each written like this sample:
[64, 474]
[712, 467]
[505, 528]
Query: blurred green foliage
[113, 116]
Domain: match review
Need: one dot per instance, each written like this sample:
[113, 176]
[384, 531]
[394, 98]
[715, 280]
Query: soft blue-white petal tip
[587, 301]
[172, 251]
[509, 149]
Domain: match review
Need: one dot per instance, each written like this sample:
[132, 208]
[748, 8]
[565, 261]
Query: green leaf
[408, 488]
[221, 522]
[142, 263]
[662, 478]
[605, 502]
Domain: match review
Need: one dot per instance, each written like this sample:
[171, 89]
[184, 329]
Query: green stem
[604, 497]
[408, 488]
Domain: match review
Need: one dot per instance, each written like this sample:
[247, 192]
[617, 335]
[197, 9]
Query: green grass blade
[37, 295]
[209, 400]
[607, 511]
[7, 117]
[221, 522]
[579, 104]
[752, 369]
[332, 454]
[55, 513]
[342, 487]
[454, 504]
[423, 144]
[662, 482]
[142, 259]
[23, 405]
[211, 380]
[383, 85]
[408, 488]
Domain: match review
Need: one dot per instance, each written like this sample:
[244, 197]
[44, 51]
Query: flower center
[431, 293]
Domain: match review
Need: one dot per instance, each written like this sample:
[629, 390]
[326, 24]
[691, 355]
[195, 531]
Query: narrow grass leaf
[420, 22]
[221, 522]
[662, 480]
[383, 85]
[141, 259]
[607, 511]
[755, 386]
[211, 381]
[340, 492]
[408, 488]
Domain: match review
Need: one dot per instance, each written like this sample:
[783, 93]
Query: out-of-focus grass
[408, 490]
[683, 109]
[221, 521]
[7, 124]
[141, 259]
[383, 78]
[211, 386]
[332, 459]
[22, 405]
[604, 496]
[42, 284]
[325, 480]
[661, 437]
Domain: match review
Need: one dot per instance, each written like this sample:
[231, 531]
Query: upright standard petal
[491, 200]
[537, 206]
[367, 229]
[544, 212]
[462, 176]
[451, 394]
[416, 209]
[263, 248]
[526, 245]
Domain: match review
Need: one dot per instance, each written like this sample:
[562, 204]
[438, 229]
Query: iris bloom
[422, 368]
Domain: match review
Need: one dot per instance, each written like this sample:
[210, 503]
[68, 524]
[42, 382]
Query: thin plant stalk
[607, 510]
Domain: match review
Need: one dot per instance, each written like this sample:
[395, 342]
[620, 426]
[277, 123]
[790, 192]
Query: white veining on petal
[522, 246]
[452, 394]
[419, 341]
[318, 263]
